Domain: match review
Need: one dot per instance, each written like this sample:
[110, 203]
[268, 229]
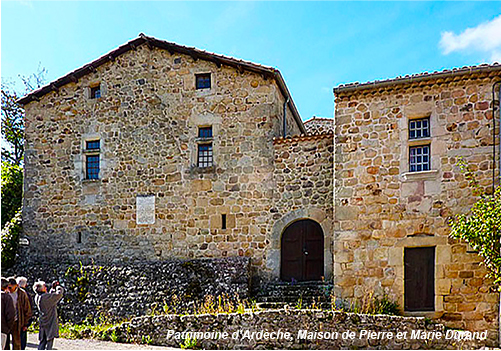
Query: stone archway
[273, 257]
[302, 252]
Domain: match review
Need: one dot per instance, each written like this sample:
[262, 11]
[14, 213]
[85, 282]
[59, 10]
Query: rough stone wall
[380, 208]
[292, 321]
[304, 190]
[147, 121]
[319, 125]
[115, 292]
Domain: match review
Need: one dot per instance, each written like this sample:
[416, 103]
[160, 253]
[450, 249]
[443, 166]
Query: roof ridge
[132, 44]
[302, 137]
[416, 77]
[315, 118]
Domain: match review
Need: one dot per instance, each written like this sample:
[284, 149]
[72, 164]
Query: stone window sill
[91, 181]
[417, 176]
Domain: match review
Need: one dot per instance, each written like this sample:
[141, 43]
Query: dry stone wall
[147, 122]
[295, 322]
[115, 292]
[381, 208]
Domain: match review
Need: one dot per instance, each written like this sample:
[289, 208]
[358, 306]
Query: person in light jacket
[47, 305]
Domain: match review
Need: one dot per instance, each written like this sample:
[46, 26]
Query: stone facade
[151, 201]
[382, 208]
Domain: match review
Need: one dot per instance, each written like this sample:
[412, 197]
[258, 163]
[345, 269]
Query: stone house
[157, 151]
[397, 182]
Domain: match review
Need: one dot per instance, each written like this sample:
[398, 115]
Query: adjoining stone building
[397, 183]
[157, 151]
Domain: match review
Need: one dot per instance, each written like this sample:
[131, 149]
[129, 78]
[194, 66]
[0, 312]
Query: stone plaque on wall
[145, 209]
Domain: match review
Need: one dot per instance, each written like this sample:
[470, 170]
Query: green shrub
[10, 241]
[12, 191]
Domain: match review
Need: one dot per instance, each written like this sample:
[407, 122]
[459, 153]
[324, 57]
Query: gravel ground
[89, 344]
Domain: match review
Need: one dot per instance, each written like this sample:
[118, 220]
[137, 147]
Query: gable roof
[267, 71]
[424, 78]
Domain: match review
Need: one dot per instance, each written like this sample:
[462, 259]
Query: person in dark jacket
[23, 282]
[23, 312]
[47, 305]
[8, 312]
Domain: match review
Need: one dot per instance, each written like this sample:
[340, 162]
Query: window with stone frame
[203, 81]
[204, 147]
[419, 158]
[95, 92]
[419, 128]
[92, 159]
[419, 148]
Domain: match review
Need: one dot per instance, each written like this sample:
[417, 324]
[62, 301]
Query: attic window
[203, 81]
[95, 92]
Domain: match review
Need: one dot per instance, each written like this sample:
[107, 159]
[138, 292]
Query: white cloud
[486, 38]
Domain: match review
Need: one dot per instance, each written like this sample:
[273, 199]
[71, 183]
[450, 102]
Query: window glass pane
[205, 132]
[205, 155]
[419, 158]
[93, 145]
[202, 81]
[95, 92]
[92, 167]
[419, 128]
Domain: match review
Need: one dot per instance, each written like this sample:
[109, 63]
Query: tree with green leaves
[13, 116]
[481, 227]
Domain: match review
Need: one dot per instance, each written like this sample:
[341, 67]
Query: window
[419, 279]
[419, 158]
[92, 166]
[205, 132]
[95, 92]
[92, 148]
[205, 155]
[419, 128]
[93, 145]
[223, 221]
[203, 81]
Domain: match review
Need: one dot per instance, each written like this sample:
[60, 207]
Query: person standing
[22, 282]
[23, 312]
[8, 312]
[47, 305]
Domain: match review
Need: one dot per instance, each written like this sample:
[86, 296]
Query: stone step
[292, 293]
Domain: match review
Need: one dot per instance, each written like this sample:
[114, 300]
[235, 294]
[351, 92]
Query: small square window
[204, 155]
[92, 145]
[203, 81]
[205, 132]
[419, 128]
[92, 166]
[419, 158]
[95, 92]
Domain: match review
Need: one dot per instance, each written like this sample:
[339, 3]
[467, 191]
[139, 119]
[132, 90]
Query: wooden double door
[302, 252]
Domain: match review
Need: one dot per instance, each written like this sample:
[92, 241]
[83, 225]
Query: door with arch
[302, 252]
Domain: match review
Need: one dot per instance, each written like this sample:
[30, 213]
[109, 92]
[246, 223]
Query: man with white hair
[23, 313]
[22, 282]
[47, 305]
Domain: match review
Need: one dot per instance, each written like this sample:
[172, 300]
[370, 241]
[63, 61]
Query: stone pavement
[90, 344]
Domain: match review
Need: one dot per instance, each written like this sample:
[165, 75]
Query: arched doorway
[302, 251]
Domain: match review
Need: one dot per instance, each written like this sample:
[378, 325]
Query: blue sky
[316, 45]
